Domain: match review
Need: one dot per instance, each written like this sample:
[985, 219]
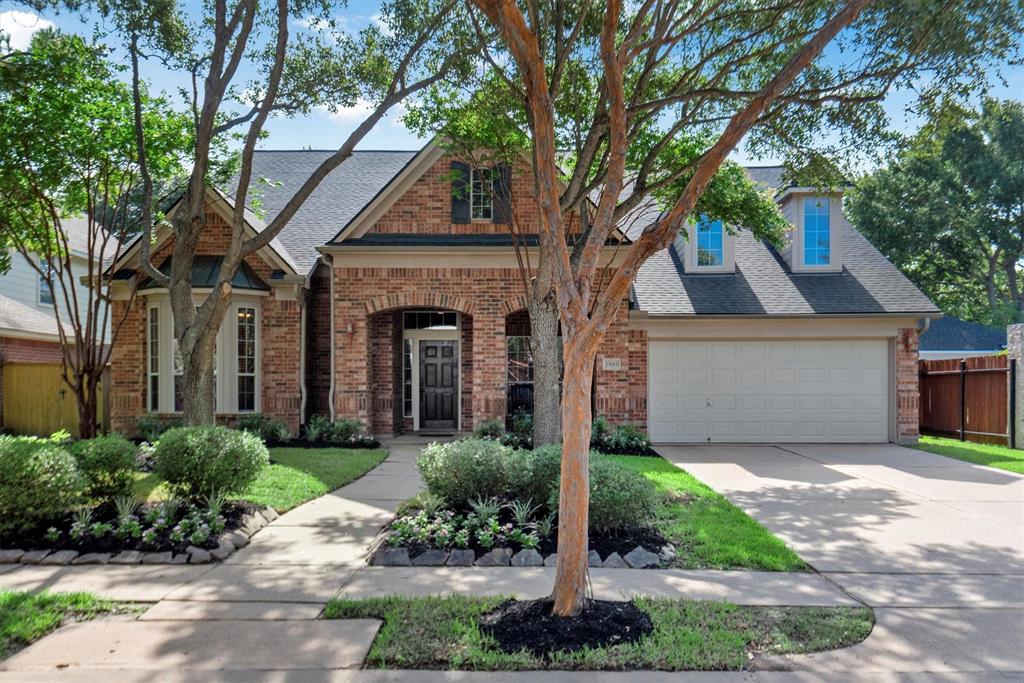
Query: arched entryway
[420, 369]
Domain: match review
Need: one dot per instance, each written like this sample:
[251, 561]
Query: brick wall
[279, 334]
[907, 390]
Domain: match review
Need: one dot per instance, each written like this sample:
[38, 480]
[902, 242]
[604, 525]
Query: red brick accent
[621, 395]
[318, 343]
[279, 333]
[907, 389]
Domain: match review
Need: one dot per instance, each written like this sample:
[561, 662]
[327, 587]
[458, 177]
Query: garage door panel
[749, 391]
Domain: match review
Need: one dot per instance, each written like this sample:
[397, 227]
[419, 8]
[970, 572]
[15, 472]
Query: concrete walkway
[255, 617]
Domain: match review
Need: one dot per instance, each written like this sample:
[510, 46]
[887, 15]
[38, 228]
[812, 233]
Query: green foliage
[150, 427]
[108, 463]
[949, 210]
[198, 461]
[462, 470]
[39, 480]
[26, 617]
[988, 454]
[341, 432]
[265, 427]
[490, 429]
[618, 497]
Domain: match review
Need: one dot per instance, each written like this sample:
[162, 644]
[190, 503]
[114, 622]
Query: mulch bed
[35, 539]
[528, 624]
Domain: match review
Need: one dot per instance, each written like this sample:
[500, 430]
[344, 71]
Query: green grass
[707, 530]
[27, 617]
[294, 476]
[991, 455]
[442, 633]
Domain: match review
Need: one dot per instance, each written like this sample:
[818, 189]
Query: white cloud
[19, 27]
[381, 24]
[359, 111]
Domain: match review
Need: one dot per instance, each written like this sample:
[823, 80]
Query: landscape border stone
[638, 558]
[227, 544]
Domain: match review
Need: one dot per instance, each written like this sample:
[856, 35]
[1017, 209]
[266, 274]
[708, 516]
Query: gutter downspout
[923, 325]
[329, 261]
[303, 305]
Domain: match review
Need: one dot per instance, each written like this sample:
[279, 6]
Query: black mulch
[35, 539]
[528, 624]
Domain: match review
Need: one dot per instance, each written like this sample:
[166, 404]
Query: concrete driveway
[936, 545]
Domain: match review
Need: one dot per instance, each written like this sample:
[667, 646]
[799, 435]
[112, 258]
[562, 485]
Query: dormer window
[817, 234]
[710, 242]
[708, 247]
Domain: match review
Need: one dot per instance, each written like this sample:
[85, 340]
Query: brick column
[1015, 350]
[907, 390]
[351, 356]
[489, 360]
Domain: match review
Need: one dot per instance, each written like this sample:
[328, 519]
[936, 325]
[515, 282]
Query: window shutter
[460, 192]
[501, 191]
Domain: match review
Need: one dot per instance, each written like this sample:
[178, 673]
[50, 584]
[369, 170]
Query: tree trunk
[88, 408]
[570, 590]
[198, 383]
[544, 346]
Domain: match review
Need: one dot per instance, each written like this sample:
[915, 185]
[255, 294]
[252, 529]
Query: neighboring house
[954, 338]
[28, 319]
[391, 299]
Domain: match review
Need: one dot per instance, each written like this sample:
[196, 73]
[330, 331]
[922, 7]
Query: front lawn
[27, 617]
[708, 530]
[988, 454]
[295, 475]
[443, 633]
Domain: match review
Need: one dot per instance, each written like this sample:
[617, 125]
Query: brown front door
[439, 377]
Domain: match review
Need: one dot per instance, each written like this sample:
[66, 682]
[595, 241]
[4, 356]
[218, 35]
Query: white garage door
[771, 391]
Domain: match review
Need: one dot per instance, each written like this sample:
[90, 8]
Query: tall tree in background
[697, 77]
[245, 67]
[949, 210]
[70, 172]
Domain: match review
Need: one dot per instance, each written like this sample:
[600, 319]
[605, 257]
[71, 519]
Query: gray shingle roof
[337, 199]
[764, 285]
[20, 318]
[953, 334]
[769, 176]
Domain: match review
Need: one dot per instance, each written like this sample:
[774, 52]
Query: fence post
[1012, 423]
[963, 399]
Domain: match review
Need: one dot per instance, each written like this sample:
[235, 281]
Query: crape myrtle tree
[948, 210]
[245, 66]
[70, 173]
[690, 80]
[481, 119]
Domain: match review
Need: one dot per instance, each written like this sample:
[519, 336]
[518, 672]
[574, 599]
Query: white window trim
[40, 284]
[835, 224]
[473, 173]
[415, 336]
[689, 249]
[150, 307]
[225, 357]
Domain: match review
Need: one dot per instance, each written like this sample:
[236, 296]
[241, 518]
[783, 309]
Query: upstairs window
[710, 242]
[817, 236]
[45, 293]
[480, 204]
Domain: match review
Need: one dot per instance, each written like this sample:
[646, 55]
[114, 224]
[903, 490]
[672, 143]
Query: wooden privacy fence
[969, 398]
[37, 401]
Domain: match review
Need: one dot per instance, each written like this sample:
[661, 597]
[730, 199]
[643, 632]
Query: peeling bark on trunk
[570, 591]
[544, 345]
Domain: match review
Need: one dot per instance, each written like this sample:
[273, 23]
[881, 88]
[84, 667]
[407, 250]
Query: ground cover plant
[446, 633]
[27, 617]
[623, 439]
[991, 455]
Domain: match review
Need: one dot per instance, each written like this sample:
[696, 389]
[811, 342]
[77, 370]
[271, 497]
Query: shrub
[345, 430]
[266, 428]
[464, 470]
[108, 464]
[490, 429]
[626, 438]
[598, 430]
[532, 475]
[150, 427]
[318, 427]
[198, 461]
[39, 480]
[522, 424]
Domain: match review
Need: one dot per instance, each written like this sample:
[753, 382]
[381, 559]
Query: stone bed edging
[638, 558]
[227, 543]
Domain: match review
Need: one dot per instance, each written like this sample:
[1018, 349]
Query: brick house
[392, 299]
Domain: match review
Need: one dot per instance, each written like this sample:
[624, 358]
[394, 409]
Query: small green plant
[52, 534]
[100, 529]
[125, 506]
[522, 511]
[490, 429]
[215, 503]
[485, 508]
[150, 427]
[197, 460]
[522, 424]
[545, 526]
[39, 480]
[82, 524]
[317, 428]
[431, 503]
[599, 430]
[264, 427]
[345, 431]
[108, 463]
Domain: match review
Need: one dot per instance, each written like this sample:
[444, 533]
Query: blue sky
[324, 129]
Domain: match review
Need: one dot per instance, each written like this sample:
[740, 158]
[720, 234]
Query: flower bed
[490, 505]
[623, 439]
